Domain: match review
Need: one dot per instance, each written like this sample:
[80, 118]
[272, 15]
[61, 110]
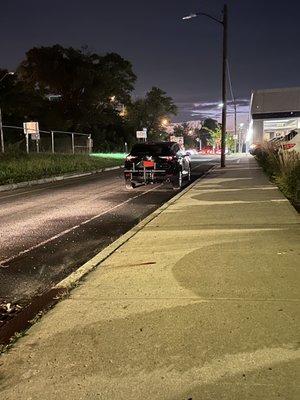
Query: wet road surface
[48, 231]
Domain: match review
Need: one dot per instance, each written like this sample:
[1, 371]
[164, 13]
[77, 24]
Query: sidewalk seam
[71, 280]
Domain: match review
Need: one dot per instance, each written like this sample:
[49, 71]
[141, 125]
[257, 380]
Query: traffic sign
[141, 134]
[178, 139]
[32, 128]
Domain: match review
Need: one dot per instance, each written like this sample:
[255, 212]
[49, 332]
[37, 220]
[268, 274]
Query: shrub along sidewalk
[283, 168]
[26, 167]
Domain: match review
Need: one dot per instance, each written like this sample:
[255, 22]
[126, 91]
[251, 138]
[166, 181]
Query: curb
[70, 281]
[19, 185]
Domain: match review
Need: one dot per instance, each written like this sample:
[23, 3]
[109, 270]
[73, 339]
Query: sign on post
[177, 139]
[32, 128]
[141, 134]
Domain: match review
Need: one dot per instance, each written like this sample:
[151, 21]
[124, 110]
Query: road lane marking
[199, 166]
[58, 235]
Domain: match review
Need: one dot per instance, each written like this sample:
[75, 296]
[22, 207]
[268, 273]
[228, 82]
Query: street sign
[177, 139]
[141, 134]
[32, 128]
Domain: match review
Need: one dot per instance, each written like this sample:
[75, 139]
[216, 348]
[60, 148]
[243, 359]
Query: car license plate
[148, 164]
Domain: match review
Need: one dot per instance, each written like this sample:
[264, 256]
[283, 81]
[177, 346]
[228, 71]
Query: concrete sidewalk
[203, 303]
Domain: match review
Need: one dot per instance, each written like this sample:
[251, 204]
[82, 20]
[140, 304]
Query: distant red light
[287, 146]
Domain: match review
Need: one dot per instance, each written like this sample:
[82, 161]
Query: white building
[274, 112]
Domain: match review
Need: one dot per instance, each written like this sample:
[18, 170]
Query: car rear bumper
[147, 175]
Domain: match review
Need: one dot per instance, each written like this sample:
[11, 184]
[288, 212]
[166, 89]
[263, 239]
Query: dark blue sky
[183, 58]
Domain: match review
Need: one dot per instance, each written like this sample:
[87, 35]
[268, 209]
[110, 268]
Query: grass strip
[16, 168]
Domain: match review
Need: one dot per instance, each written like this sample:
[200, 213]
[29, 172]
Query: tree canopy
[151, 111]
[78, 90]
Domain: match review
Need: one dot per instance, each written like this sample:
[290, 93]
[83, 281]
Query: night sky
[183, 58]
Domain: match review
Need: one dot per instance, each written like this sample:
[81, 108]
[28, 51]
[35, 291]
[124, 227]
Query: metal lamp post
[1, 128]
[240, 142]
[224, 23]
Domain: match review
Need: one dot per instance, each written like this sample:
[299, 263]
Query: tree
[188, 134]
[90, 89]
[19, 103]
[150, 111]
[85, 82]
[215, 138]
[209, 125]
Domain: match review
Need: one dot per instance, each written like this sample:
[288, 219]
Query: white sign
[177, 139]
[32, 128]
[141, 134]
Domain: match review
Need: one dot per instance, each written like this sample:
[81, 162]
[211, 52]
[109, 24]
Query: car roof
[167, 144]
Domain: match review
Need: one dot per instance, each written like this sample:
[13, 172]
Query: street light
[1, 128]
[7, 73]
[224, 23]
[164, 122]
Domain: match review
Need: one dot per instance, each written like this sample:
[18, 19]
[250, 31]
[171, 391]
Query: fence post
[52, 142]
[73, 144]
[90, 146]
[1, 133]
[27, 143]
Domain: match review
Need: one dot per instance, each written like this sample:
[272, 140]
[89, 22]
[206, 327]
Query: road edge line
[70, 281]
[19, 185]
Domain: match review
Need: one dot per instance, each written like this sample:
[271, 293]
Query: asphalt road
[48, 231]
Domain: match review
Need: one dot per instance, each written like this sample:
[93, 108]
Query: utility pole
[1, 133]
[240, 145]
[224, 23]
[224, 85]
[235, 122]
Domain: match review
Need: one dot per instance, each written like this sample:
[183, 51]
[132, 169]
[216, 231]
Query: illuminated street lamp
[224, 23]
[123, 112]
[164, 122]
[7, 73]
[1, 128]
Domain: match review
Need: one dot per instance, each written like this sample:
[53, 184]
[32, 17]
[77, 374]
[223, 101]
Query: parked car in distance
[291, 142]
[157, 162]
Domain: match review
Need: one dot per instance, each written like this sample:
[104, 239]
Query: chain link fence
[46, 142]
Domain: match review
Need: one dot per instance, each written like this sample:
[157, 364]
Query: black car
[156, 163]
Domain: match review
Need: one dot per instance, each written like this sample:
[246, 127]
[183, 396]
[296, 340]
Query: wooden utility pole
[224, 85]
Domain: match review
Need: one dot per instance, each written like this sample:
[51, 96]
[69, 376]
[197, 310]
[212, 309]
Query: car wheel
[130, 185]
[177, 182]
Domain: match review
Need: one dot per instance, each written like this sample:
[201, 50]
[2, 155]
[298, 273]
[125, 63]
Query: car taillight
[168, 158]
[130, 158]
[287, 146]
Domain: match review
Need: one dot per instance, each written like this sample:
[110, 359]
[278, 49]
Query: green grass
[22, 167]
[115, 156]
